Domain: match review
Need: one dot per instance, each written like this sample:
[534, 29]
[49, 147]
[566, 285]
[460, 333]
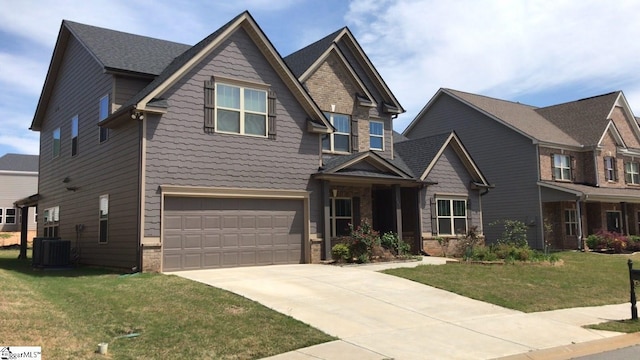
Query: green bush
[483, 253]
[362, 239]
[341, 253]
[390, 241]
[514, 232]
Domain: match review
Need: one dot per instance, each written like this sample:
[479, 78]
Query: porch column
[397, 204]
[625, 218]
[326, 202]
[418, 238]
[24, 221]
[579, 218]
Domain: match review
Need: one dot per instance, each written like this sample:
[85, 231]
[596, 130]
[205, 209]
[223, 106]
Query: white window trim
[331, 148]
[103, 200]
[51, 220]
[333, 217]
[561, 167]
[451, 217]
[100, 118]
[381, 136]
[571, 225]
[242, 110]
[631, 172]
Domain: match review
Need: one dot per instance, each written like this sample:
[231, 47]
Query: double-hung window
[570, 222]
[241, 110]
[376, 135]
[103, 114]
[338, 141]
[610, 168]
[74, 135]
[51, 221]
[452, 216]
[56, 143]
[103, 219]
[632, 173]
[341, 215]
[561, 167]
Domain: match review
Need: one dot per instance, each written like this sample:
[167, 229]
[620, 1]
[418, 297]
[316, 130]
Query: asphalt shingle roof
[127, 52]
[522, 117]
[302, 59]
[417, 154]
[19, 162]
[584, 120]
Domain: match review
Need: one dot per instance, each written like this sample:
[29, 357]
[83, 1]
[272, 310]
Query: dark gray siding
[452, 178]
[126, 88]
[108, 168]
[179, 152]
[507, 159]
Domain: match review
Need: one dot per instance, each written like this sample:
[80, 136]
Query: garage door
[201, 233]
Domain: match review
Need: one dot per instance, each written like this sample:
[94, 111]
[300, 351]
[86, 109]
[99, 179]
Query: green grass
[585, 279]
[624, 326]
[68, 312]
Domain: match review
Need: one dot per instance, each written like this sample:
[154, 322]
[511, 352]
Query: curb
[581, 349]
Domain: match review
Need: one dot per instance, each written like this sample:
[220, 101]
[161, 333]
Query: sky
[535, 52]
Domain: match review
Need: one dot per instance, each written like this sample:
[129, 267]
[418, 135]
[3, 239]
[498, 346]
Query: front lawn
[68, 312]
[585, 279]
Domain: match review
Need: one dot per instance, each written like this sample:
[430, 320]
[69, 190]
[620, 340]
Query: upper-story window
[376, 135]
[338, 141]
[104, 113]
[632, 173]
[241, 110]
[56, 143]
[74, 135]
[561, 167]
[610, 173]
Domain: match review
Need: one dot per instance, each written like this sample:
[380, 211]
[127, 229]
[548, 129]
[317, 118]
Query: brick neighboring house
[166, 157]
[19, 179]
[572, 166]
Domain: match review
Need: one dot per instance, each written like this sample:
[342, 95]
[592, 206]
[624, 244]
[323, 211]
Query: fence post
[634, 309]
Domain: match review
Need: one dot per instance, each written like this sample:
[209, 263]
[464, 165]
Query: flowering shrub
[608, 240]
[361, 240]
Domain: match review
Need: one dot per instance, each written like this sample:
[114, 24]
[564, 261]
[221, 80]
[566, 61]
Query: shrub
[390, 241]
[608, 240]
[403, 248]
[444, 244]
[467, 242]
[634, 243]
[361, 240]
[483, 253]
[515, 232]
[341, 253]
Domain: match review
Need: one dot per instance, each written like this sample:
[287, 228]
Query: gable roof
[585, 119]
[19, 162]
[577, 123]
[378, 167]
[302, 60]
[422, 154]
[163, 61]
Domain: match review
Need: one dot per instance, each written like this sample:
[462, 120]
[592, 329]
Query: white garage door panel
[211, 232]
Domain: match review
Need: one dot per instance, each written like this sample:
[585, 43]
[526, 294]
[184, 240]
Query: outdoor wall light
[137, 115]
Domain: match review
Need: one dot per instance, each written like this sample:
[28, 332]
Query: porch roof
[593, 193]
[367, 167]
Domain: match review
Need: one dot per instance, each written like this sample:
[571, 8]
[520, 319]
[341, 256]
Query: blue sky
[535, 52]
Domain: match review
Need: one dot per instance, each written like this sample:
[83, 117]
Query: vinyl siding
[125, 88]
[452, 178]
[98, 168]
[15, 187]
[507, 159]
[179, 152]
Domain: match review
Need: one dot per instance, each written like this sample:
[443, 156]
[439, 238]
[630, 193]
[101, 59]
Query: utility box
[51, 252]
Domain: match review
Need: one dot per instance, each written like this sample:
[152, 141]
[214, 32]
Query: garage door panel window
[452, 216]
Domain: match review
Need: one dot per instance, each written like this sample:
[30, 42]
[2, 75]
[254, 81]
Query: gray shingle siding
[179, 152]
[80, 84]
[126, 88]
[501, 154]
[451, 177]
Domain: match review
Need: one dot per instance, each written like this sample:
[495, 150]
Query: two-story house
[19, 179]
[567, 170]
[166, 156]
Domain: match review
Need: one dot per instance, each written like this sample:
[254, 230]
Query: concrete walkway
[378, 316]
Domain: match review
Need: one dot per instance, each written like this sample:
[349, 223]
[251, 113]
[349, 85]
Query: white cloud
[499, 48]
[21, 73]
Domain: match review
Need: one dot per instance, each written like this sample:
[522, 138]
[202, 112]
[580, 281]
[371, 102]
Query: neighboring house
[168, 157]
[19, 179]
[567, 170]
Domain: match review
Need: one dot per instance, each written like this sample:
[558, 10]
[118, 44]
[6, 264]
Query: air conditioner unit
[51, 252]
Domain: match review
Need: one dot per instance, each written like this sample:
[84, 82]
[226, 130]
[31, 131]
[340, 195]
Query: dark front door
[382, 206]
[614, 221]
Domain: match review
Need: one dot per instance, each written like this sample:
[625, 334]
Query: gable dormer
[625, 122]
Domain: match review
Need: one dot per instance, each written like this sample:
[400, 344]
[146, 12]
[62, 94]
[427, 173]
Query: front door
[614, 221]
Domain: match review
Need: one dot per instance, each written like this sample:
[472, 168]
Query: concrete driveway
[379, 316]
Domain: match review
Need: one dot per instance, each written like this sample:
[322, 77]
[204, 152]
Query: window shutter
[355, 203]
[434, 217]
[271, 105]
[553, 169]
[614, 163]
[606, 172]
[572, 164]
[354, 135]
[627, 176]
[209, 105]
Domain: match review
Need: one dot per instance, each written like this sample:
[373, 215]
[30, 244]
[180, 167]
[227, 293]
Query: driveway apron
[394, 317]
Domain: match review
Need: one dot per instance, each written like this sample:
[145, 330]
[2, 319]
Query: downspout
[579, 216]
